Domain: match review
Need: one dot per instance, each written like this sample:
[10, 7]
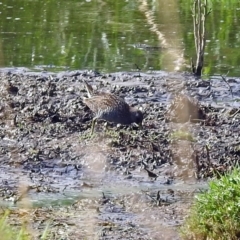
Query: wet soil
[122, 182]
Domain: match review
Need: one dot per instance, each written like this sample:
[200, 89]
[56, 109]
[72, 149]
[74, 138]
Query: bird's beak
[139, 125]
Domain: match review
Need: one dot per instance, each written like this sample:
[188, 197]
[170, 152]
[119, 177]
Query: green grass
[182, 135]
[215, 213]
[9, 232]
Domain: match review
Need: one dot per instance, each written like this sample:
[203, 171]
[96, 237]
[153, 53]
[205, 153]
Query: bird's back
[109, 107]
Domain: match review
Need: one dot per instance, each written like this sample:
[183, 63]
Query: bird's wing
[105, 101]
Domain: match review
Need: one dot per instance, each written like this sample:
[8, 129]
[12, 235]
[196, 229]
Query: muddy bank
[122, 182]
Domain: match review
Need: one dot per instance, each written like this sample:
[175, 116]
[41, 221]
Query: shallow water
[64, 184]
[115, 36]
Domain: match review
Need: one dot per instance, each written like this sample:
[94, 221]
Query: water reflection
[169, 33]
[101, 35]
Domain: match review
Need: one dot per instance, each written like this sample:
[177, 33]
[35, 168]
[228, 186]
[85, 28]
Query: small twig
[138, 68]
[208, 154]
[235, 113]
[224, 79]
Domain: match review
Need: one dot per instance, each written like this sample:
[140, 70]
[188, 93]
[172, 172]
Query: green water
[109, 36]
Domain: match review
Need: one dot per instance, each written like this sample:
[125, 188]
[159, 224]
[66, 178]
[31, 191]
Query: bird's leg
[93, 125]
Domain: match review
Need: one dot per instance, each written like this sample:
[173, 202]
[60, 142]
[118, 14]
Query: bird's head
[137, 117]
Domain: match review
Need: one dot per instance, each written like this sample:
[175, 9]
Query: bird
[111, 108]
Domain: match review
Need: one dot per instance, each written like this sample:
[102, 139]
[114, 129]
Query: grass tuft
[215, 213]
[10, 232]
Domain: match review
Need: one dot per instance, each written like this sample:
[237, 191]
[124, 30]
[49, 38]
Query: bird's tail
[88, 88]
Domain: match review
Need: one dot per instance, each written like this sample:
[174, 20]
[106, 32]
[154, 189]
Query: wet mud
[122, 182]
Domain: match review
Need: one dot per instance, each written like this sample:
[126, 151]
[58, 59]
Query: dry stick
[195, 158]
[197, 163]
[200, 36]
[206, 12]
[194, 31]
[195, 24]
[224, 79]
[236, 113]
[200, 12]
[208, 154]
[203, 27]
[203, 39]
[199, 29]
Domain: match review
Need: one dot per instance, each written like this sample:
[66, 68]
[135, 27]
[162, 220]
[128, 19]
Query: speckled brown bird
[111, 108]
